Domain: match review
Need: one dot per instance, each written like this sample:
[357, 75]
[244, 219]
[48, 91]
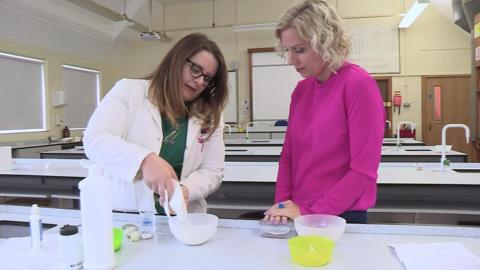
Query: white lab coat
[126, 127]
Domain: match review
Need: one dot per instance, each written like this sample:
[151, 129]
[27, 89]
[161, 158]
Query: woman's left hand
[281, 212]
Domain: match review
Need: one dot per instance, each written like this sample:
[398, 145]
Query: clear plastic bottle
[148, 226]
[70, 246]
[36, 228]
[97, 225]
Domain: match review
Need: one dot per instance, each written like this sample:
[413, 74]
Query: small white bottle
[35, 228]
[148, 226]
[70, 246]
[97, 224]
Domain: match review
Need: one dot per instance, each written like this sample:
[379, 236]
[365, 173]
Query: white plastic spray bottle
[35, 228]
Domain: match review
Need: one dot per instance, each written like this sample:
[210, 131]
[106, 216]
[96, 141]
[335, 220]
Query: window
[82, 90]
[22, 94]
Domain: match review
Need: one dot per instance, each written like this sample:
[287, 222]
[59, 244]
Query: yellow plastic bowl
[117, 239]
[311, 250]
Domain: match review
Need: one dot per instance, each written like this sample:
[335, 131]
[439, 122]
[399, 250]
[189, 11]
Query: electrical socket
[58, 120]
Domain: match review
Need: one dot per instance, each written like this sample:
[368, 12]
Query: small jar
[66, 132]
[148, 226]
[70, 245]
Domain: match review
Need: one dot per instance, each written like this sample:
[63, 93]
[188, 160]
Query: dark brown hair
[165, 92]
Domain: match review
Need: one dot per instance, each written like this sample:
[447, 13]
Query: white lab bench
[262, 132]
[32, 149]
[361, 247]
[272, 154]
[407, 192]
[279, 142]
[389, 154]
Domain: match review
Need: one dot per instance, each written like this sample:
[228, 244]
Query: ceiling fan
[125, 22]
[151, 35]
[121, 20]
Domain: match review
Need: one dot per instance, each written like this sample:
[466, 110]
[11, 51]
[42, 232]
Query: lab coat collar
[154, 111]
[194, 126]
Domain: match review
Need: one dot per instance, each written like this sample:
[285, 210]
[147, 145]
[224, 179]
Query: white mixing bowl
[194, 229]
[320, 225]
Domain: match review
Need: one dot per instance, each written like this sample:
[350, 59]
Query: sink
[18, 228]
[410, 150]
[467, 170]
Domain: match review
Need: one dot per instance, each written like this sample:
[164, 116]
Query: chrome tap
[229, 128]
[444, 139]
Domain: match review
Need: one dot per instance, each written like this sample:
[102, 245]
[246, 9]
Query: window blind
[81, 88]
[22, 94]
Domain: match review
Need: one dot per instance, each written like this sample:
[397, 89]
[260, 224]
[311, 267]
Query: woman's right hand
[158, 175]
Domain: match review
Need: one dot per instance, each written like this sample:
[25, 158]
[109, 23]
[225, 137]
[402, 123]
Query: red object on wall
[397, 100]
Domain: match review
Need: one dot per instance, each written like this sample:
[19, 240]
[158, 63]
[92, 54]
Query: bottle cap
[35, 210]
[68, 230]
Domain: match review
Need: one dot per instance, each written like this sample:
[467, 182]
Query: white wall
[31, 37]
[433, 45]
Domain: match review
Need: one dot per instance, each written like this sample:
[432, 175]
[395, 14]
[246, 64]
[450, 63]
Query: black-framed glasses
[196, 71]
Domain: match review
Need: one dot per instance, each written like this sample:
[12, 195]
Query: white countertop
[71, 151]
[254, 141]
[267, 129]
[276, 151]
[47, 167]
[403, 141]
[389, 173]
[253, 150]
[39, 143]
[416, 151]
[386, 151]
[238, 245]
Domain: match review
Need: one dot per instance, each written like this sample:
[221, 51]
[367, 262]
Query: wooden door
[385, 86]
[446, 100]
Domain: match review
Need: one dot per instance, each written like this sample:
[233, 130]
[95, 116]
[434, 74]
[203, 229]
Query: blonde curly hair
[318, 22]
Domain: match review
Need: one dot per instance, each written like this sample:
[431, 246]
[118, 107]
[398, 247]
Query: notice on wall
[375, 45]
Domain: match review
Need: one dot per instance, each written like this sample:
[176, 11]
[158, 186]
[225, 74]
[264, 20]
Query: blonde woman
[334, 138]
[152, 132]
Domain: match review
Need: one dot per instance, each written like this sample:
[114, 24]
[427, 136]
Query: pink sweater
[333, 143]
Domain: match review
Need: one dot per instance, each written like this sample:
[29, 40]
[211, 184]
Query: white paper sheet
[436, 256]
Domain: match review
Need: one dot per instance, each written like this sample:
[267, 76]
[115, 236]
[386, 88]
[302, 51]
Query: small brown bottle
[66, 132]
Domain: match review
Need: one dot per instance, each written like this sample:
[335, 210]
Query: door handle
[430, 126]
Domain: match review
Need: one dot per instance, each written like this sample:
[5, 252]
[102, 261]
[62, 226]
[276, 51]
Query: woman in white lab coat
[148, 133]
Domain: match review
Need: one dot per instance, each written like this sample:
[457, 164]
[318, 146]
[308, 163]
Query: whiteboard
[272, 87]
[230, 113]
[375, 47]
